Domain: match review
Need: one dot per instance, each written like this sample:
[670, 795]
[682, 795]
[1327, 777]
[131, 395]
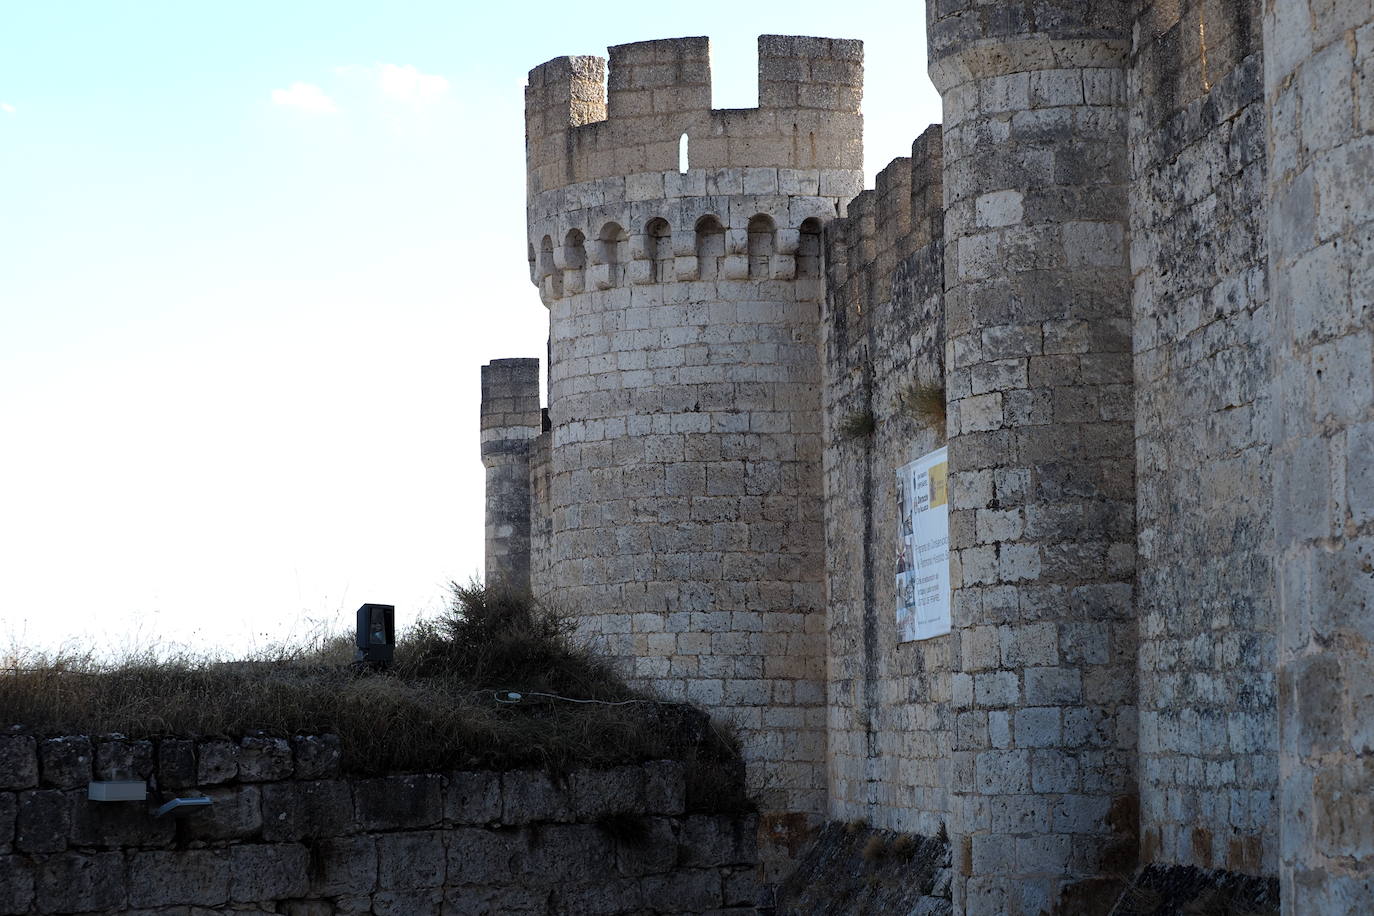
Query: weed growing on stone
[858, 424]
[923, 402]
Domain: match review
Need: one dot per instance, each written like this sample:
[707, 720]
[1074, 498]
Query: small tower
[684, 376]
[510, 422]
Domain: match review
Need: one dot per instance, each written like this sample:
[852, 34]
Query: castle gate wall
[883, 339]
[1203, 362]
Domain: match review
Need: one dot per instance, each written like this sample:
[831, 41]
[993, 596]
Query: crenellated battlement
[701, 225]
[582, 125]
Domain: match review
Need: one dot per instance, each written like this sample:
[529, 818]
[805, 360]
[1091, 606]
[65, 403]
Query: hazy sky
[251, 258]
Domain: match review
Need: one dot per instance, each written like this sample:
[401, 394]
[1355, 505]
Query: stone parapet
[660, 91]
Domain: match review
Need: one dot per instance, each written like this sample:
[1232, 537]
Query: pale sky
[252, 257]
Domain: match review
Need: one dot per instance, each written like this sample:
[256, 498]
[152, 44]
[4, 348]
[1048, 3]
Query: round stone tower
[1041, 455]
[678, 250]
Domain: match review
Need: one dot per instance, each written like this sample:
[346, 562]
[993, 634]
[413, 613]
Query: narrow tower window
[809, 249]
[660, 245]
[710, 247]
[682, 159]
[760, 246]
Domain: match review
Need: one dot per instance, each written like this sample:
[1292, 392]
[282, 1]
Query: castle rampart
[1127, 284]
[883, 340]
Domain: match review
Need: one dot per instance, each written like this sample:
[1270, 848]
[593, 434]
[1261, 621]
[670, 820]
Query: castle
[1128, 285]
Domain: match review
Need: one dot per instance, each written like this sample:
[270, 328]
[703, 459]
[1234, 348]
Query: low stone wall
[288, 832]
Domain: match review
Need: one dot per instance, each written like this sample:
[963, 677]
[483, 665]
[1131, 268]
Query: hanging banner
[923, 592]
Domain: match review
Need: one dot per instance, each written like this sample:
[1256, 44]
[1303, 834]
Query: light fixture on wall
[376, 638]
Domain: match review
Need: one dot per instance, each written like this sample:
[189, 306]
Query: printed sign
[923, 593]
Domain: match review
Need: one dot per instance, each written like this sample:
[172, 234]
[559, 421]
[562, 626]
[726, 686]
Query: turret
[510, 422]
[684, 378]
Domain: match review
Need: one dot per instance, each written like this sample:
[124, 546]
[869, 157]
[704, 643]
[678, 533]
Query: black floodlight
[376, 634]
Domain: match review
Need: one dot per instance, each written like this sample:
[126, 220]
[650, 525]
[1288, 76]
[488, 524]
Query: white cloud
[407, 84]
[7, 108]
[400, 83]
[306, 97]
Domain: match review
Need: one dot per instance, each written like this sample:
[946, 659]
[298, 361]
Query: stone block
[16, 885]
[646, 845]
[65, 763]
[217, 761]
[346, 866]
[194, 876]
[43, 822]
[472, 797]
[113, 825]
[9, 813]
[498, 900]
[528, 796]
[264, 759]
[73, 882]
[418, 902]
[176, 763]
[485, 857]
[18, 762]
[709, 841]
[117, 757]
[596, 793]
[684, 890]
[398, 802]
[296, 810]
[264, 872]
[665, 787]
[235, 813]
[602, 898]
[411, 860]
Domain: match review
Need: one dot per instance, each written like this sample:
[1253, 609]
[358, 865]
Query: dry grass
[875, 850]
[858, 425]
[923, 403]
[435, 708]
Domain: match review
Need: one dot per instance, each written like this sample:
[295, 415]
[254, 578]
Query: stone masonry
[1136, 262]
[288, 833]
[684, 487]
[510, 422]
[1041, 458]
[1319, 94]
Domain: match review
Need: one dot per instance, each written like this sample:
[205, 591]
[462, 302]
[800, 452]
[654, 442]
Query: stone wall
[287, 833]
[883, 338]
[1203, 360]
[1319, 97]
[510, 423]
